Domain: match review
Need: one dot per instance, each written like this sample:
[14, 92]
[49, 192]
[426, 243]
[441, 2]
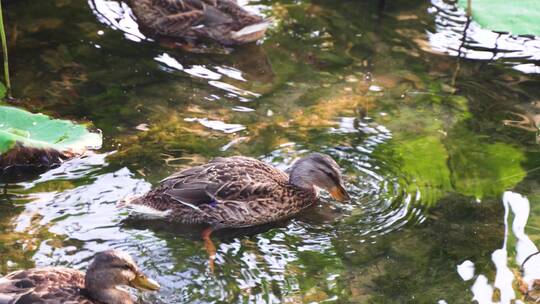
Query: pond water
[438, 147]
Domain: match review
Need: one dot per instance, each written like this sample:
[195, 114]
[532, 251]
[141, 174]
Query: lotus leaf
[517, 17]
[35, 139]
[40, 131]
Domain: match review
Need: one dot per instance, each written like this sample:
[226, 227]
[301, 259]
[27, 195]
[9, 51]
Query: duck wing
[224, 179]
[12, 290]
[45, 285]
[215, 17]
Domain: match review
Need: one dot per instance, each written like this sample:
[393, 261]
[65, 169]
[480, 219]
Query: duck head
[319, 170]
[109, 271]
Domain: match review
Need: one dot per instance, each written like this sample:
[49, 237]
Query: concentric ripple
[383, 199]
[265, 264]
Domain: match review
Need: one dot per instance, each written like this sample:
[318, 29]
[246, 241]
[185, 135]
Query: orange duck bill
[339, 193]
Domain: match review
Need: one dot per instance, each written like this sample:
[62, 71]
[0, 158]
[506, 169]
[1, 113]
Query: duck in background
[102, 282]
[223, 21]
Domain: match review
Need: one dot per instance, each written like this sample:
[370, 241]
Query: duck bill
[144, 283]
[339, 193]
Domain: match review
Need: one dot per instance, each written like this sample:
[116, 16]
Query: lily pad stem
[5, 52]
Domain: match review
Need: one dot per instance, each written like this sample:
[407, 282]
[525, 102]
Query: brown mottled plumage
[33, 286]
[21, 155]
[221, 20]
[56, 285]
[22, 162]
[241, 191]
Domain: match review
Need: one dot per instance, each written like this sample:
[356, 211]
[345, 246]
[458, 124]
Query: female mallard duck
[108, 271]
[238, 191]
[221, 20]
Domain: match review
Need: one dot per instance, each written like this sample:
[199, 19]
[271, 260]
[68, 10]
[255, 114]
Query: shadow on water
[424, 147]
[193, 232]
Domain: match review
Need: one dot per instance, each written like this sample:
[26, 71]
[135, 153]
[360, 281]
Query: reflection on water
[529, 119]
[384, 203]
[339, 77]
[214, 77]
[118, 16]
[276, 260]
[482, 289]
[217, 125]
[466, 270]
[72, 169]
[455, 36]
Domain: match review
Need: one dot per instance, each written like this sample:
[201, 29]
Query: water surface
[420, 129]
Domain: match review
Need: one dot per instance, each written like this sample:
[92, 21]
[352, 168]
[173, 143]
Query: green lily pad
[28, 139]
[517, 17]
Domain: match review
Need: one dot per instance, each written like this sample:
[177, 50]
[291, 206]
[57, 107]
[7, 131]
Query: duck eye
[126, 267]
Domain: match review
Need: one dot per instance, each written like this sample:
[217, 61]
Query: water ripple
[268, 266]
[456, 37]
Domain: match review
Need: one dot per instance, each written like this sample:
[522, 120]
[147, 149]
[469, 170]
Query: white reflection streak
[233, 143]
[466, 270]
[218, 125]
[482, 290]
[71, 169]
[525, 247]
[85, 212]
[232, 89]
[203, 72]
[504, 276]
[169, 61]
[231, 72]
[118, 16]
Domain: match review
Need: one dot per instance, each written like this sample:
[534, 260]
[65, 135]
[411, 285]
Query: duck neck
[112, 296]
[299, 182]
[100, 288]
[297, 177]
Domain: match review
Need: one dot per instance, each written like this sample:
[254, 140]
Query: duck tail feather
[252, 32]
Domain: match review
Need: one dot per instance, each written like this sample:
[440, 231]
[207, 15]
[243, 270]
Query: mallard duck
[235, 192]
[221, 20]
[53, 285]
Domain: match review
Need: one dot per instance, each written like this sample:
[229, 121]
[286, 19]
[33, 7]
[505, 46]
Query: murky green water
[420, 133]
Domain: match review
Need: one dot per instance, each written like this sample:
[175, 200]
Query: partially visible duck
[223, 21]
[102, 282]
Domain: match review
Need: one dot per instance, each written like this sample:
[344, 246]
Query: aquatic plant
[4, 52]
[503, 16]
